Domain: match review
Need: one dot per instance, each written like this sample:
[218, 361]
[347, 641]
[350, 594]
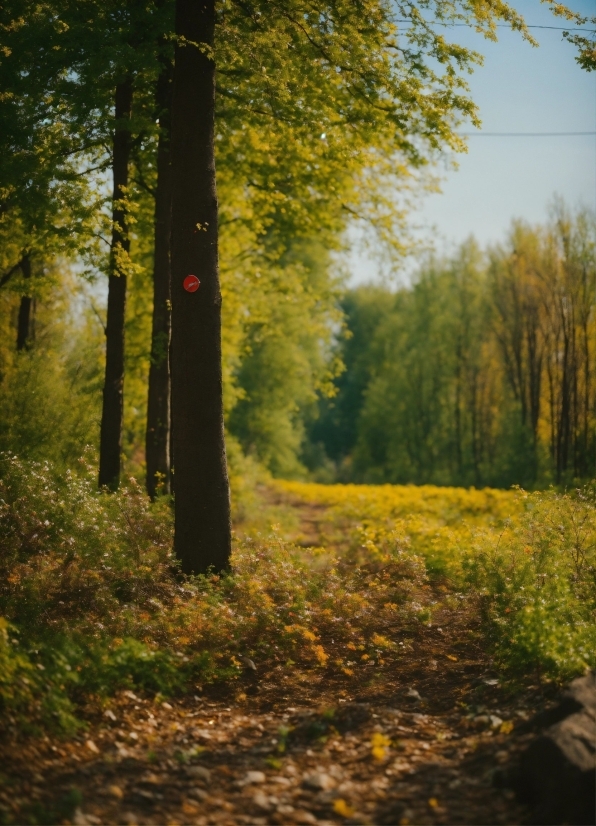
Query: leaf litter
[422, 739]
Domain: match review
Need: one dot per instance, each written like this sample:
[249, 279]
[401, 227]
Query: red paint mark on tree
[191, 283]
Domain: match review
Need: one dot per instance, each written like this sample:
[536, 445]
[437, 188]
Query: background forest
[479, 372]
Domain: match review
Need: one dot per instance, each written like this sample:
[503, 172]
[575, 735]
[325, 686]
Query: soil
[432, 741]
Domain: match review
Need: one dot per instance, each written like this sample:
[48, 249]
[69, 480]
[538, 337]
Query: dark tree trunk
[25, 319]
[110, 446]
[157, 445]
[202, 500]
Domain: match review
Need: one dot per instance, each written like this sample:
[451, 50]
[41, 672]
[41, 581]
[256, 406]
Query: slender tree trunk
[26, 308]
[157, 445]
[202, 500]
[110, 446]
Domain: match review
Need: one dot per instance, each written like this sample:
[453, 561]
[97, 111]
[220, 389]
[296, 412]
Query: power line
[506, 26]
[522, 134]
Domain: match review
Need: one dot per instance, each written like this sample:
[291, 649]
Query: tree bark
[110, 446]
[202, 500]
[25, 318]
[157, 444]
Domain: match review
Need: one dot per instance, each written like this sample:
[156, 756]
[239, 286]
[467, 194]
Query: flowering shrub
[527, 562]
[536, 584]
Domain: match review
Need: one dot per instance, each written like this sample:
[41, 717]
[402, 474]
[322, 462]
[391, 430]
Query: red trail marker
[191, 283]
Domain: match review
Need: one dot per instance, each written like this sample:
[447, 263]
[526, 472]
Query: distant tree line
[482, 372]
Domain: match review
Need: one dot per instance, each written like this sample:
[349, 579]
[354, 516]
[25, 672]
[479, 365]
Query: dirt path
[427, 742]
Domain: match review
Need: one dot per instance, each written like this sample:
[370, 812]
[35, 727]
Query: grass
[92, 600]
[526, 562]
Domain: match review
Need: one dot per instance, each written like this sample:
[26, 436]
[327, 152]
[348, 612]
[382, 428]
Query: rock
[413, 694]
[558, 770]
[303, 817]
[262, 801]
[580, 695]
[199, 772]
[285, 809]
[253, 777]
[198, 794]
[319, 781]
[92, 747]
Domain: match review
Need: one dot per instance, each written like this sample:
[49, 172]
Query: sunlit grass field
[526, 562]
[437, 522]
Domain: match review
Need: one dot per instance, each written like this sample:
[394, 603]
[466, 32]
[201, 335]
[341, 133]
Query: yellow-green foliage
[92, 599]
[528, 560]
[89, 585]
[536, 581]
[437, 520]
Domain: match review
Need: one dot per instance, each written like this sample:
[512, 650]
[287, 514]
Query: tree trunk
[157, 445]
[110, 446]
[25, 319]
[202, 501]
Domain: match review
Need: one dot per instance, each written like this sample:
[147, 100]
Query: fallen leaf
[379, 745]
[506, 727]
[342, 808]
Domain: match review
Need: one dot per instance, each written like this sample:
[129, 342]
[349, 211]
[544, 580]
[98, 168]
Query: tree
[110, 440]
[381, 99]
[157, 441]
[202, 497]
[26, 309]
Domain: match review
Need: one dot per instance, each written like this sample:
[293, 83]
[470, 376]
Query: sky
[518, 89]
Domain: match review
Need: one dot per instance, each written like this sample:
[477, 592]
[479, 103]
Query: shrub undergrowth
[527, 562]
[92, 600]
[535, 583]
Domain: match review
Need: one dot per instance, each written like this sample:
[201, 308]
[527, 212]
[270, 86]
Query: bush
[536, 585]
[96, 602]
[527, 562]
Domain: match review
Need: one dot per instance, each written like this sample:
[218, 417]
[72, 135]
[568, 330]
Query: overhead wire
[522, 134]
[506, 26]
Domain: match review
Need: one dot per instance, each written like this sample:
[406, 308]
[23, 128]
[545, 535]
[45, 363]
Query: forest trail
[427, 742]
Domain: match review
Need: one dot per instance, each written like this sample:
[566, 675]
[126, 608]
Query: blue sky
[518, 89]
